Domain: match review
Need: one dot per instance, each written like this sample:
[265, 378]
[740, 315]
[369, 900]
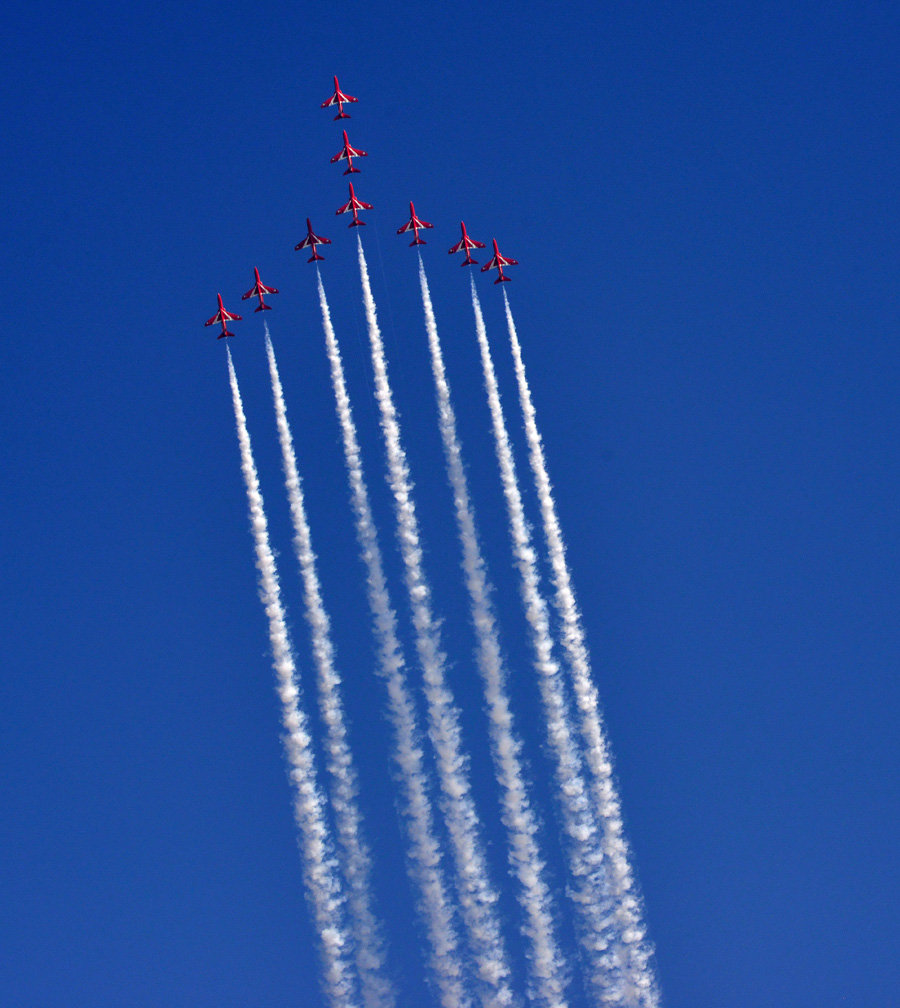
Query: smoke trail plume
[356, 860]
[322, 885]
[425, 859]
[632, 950]
[584, 842]
[547, 981]
[477, 896]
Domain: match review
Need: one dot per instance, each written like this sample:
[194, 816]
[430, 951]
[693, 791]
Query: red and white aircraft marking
[257, 290]
[339, 98]
[464, 244]
[348, 153]
[354, 205]
[310, 241]
[221, 317]
[413, 224]
[497, 262]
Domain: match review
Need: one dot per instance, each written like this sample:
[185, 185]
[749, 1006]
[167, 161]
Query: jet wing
[348, 152]
[223, 316]
[414, 222]
[355, 203]
[337, 97]
[258, 291]
[466, 243]
[497, 260]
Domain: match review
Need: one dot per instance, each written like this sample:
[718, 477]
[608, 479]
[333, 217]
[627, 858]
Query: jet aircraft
[257, 290]
[339, 98]
[310, 241]
[464, 244]
[354, 205]
[413, 224]
[497, 262]
[348, 153]
[222, 317]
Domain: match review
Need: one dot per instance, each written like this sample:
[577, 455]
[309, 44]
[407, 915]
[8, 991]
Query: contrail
[546, 964]
[477, 896]
[632, 950]
[425, 857]
[584, 845]
[356, 860]
[322, 884]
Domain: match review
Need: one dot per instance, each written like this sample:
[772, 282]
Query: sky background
[703, 204]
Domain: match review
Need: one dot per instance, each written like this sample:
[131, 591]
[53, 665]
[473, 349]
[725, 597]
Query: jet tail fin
[263, 307]
[315, 256]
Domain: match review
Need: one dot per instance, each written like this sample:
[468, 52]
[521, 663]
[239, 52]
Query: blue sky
[702, 204]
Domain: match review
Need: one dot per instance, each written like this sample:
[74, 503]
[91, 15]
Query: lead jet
[354, 205]
[221, 317]
[464, 244]
[310, 241]
[348, 153]
[339, 98]
[413, 224]
[497, 262]
[257, 290]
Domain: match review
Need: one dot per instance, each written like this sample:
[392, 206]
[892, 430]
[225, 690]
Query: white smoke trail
[425, 857]
[477, 896]
[632, 950]
[356, 860]
[322, 885]
[547, 980]
[584, 841]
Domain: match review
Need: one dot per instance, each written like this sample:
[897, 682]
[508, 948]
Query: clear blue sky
[703, 204]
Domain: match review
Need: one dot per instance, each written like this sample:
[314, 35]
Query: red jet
[338, 98]
[354, 204]
[464, 244]
[497, 262]
[348, 153]
[221, 317]
[413, 224]
[257, 290]
[310, 241]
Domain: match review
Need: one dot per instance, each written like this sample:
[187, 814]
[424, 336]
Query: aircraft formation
[463, 929]
[353, 206]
